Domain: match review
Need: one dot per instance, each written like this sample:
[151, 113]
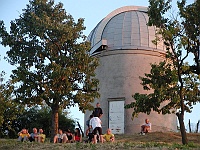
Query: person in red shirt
[77, 135]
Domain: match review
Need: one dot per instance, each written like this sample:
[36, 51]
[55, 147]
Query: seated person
[34, 135]
[23, 135]
[41, 136]
[77, 135]
[60, 137]
[145, 128]
[69, 136]
[90, 135]
[108, 137]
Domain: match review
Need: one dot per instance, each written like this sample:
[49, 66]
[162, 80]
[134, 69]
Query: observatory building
[123, 43]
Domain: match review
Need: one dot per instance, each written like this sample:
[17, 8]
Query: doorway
[116, 116]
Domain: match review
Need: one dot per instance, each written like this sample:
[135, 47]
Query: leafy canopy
[51, 56]
[165, 96]
[9, 109]
[174, 83]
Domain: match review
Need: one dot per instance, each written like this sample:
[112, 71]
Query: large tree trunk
[54, 122]
[182, 128]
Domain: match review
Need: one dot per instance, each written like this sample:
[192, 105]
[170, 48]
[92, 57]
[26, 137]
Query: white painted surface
[116, 117]
[128, 56]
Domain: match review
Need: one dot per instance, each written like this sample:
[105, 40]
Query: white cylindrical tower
[123, 43]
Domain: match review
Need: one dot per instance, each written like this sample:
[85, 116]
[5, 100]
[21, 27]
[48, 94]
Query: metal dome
[124, 28]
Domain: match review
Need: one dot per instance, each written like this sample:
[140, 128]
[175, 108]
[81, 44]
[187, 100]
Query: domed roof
[124, 28]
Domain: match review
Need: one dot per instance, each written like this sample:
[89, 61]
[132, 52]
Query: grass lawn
[151, 141]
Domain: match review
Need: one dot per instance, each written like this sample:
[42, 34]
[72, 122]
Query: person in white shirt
[145, 128]
[95, 124]
[60, 137]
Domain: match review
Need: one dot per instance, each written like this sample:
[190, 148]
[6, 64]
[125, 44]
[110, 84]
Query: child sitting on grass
[108, 137]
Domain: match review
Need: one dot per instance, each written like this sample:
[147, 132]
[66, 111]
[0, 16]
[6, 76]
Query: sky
[92, 11]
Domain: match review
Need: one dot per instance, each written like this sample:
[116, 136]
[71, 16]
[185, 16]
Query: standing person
[108, 137]
[34, 135]
[95, 124]
[41, 136]
[88, 124]
[77, 135]
[89, 131]
[145, 128]
[97, 111]
[60, 137]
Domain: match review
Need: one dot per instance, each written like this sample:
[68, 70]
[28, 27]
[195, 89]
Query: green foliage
[180, 32]
[184, 147]
[9, 109]
[165, 98]
[34, 117]
[191, 22]
[65, 122]
[156, 9]
[174, 83]
[38, 117]
[52, 58]
[52, 64]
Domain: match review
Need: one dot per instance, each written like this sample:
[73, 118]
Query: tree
[9, 109]
[40, 117]
[191, 23]
[52, 58]
[175, 83]
[187, 22]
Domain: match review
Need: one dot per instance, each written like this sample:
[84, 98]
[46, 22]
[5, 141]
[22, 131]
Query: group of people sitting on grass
[34, 136]
[61, 137]
[93, 132]
[68, 137]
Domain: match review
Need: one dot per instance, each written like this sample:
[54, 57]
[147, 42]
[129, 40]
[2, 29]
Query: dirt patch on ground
[166, 137]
